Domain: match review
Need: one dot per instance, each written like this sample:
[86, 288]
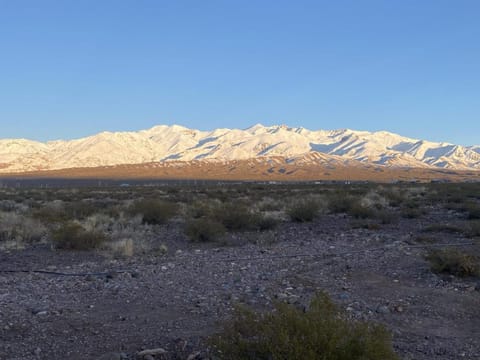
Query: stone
[382, 309]
[194, 356]
[151, 352]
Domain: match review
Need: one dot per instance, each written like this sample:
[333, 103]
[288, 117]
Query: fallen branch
[100, 274]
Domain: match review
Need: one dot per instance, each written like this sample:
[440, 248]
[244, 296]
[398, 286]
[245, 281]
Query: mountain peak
[179, 143]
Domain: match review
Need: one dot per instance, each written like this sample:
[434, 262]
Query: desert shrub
[454, 262]
[204, 230]
[394, 196]
[205, 208]
[7, 205]
[72, 236]
[265, 222]
[359, 211]
[412, 203]
[19, 228]
[341, 203]
[154, 212]
[269, 204]
[303, 211]
[79, 209]
[322, 332]
[236, 217]
[373, 200]
[50, 213]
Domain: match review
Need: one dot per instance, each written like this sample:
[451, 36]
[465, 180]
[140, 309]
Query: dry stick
[67, 274]
[242, 259]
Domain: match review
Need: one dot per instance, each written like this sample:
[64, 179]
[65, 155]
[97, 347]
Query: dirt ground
[119, 307]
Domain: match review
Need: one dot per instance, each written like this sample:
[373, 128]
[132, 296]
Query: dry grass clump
[19, 229]
[204, 230]
[154, 212]
[454, 262]
[395, 196]
[50, 213]
[303, 210]
[340, 202]
[73, 236]
[322, 332]
[236, 217]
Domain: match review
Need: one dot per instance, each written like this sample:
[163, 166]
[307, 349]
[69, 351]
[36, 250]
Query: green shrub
[454, 262]
[236, 217]
[154, 212]
[322, 332]
[303, 211]
[204, 230]
[49, 214]
[341, 203]
[201, 209]
[72, 236]
[359, 211]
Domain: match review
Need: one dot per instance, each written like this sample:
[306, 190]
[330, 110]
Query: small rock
[152, 352]
[194, 356]
[382, 309]
[39, 311]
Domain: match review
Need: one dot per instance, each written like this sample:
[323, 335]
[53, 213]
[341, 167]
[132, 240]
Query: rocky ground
[119, 307]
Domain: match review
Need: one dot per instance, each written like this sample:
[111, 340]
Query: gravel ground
[175, 300]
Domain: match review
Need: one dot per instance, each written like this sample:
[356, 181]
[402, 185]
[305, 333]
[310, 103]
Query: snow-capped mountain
[177, 143]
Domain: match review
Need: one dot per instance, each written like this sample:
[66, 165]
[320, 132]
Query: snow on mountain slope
[178, 143]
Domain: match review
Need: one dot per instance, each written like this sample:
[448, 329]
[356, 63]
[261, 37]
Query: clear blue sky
[70, 68]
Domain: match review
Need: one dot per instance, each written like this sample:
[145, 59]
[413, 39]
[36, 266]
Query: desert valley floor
[163, 286]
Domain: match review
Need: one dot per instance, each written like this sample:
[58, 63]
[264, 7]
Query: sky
[72, 68]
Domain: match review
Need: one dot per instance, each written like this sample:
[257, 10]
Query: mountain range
[179, 146]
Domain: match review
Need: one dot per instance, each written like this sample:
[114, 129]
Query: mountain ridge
[163, 143]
